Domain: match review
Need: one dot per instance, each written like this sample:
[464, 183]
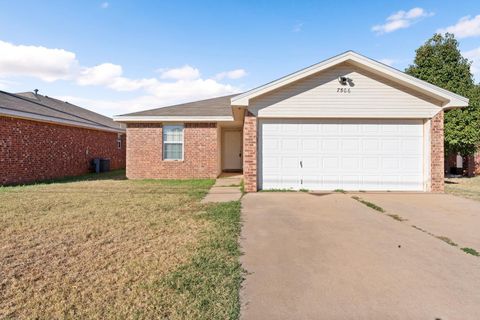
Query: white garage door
[341, 154]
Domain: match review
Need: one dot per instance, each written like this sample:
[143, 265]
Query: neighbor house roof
[29, 105]
[449, 99]
[215, 109]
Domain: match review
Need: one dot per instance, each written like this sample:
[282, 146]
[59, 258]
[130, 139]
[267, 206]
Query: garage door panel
[271, 145]
[290, 146]
[329, 145]
[349, 145]
[350, 164]
[327, 154]
[329, 182]
[309, 146]
[370, 163]
[330, 163]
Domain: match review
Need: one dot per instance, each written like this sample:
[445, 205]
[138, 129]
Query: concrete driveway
[331, 257]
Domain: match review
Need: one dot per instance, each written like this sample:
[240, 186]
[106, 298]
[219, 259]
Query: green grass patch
[196, 188]
[209, 284]
[447, 240]
[471, 251]
[396, 217]
[339, 191]
[242, 187]
[369, 204]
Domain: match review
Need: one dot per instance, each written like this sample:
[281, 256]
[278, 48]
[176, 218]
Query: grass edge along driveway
[84, 248]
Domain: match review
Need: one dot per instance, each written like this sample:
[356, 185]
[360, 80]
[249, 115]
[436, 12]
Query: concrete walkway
[225, 189]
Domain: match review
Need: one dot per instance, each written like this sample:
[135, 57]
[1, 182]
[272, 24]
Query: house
[44, 138]
[468, 166]
[348, 122]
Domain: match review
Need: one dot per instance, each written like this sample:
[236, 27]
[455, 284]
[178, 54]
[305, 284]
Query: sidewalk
[225, 189]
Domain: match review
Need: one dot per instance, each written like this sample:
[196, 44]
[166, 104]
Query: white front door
[232, 150]
[349, 154]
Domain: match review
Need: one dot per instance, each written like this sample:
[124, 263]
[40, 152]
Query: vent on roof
[36, 91]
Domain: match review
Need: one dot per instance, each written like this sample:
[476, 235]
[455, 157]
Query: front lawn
[464, 187]
[114, 248]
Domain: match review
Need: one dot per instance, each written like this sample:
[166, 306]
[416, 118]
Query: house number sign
[343, 90]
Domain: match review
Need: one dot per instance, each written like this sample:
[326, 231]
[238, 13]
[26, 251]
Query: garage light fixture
[343, 80]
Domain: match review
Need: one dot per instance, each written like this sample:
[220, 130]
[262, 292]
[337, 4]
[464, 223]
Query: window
[173, 142]
[119, 142]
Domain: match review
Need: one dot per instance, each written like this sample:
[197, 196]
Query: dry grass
[109, 249]
[464, 187]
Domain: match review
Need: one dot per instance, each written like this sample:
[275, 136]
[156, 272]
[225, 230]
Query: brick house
[468, 166]
[43, 138]
[348, 122]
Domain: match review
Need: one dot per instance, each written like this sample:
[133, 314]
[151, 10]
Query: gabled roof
[449, 99]
[216, 109]
[32, 106]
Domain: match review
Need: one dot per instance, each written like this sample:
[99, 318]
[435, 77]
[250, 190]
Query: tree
[440, 62]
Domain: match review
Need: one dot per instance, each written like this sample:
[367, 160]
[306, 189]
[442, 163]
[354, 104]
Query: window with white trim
[173, 142]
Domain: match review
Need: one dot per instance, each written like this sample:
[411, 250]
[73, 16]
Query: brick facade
[250, 152]
[145, 152]
[437, 153]
[471, 164]
[34, 151]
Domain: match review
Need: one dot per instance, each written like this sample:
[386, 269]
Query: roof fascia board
[171, 118]
[449, 99]
[243, 99]
[47, 119]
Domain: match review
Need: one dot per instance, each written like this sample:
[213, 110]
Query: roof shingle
[39, 105]
[219, 106]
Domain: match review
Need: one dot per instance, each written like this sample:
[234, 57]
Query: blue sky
[121, 56]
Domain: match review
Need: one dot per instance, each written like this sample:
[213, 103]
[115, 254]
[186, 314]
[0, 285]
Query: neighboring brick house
[468, 166]
[348, 123]
[42, 138]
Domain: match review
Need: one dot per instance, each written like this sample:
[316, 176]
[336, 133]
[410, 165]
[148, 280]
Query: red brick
[250, 152]
[437, 153]
[34, 151]
[145, 158]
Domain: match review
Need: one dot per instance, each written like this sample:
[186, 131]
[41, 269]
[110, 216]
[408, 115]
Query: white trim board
[171, 118]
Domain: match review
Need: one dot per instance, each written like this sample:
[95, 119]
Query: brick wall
[437, 153]
[35, 151]
[471, 164]
[145, 159]
[475, 162]
[250, 152]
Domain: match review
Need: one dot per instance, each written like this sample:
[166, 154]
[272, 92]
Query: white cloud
[105, 5]
[183, 73]
[103, 74]
[474, 56]
[172, 86]
[233, 74]
[401, 20]
[464, 28]
[36, 61]
[156, 95]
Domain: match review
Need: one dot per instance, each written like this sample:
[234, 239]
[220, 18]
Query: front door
[232, 150]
